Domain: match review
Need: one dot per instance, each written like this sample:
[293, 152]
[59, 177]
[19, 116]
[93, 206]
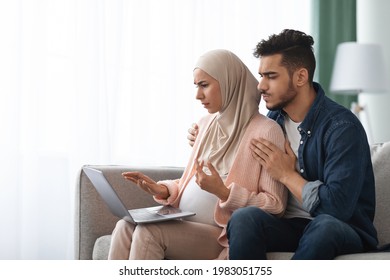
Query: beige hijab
[240, 101]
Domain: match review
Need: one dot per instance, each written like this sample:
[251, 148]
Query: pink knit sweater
[249, 184]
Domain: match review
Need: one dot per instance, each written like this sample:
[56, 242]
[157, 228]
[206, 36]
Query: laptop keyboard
[142, 214]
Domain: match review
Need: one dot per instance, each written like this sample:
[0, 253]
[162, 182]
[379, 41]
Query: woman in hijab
[221, 175]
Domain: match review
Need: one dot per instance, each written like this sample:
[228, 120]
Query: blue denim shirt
[334, 157]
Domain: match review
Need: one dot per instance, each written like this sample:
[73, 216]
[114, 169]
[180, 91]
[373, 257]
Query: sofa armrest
[93, 218]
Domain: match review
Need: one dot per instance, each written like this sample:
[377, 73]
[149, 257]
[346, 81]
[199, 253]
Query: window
[105, 82]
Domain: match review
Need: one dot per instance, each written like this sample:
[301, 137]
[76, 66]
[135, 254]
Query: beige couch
[94, 222]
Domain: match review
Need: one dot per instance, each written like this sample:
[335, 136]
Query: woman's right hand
[147, 184]
[192, 134]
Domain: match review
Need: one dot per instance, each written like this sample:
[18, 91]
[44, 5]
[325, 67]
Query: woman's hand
[147, 184]
[211, 183]
[192, 134]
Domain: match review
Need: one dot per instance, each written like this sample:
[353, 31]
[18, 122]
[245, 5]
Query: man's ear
[301, 77]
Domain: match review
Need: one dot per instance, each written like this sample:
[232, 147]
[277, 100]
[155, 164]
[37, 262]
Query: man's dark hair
[295, 47]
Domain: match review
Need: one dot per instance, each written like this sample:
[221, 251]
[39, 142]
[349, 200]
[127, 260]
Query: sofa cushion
[101, 248]
[380, 154]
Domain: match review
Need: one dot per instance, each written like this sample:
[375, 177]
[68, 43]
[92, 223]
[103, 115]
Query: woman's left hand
[211, 183]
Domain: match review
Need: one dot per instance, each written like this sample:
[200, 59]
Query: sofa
[94, 222]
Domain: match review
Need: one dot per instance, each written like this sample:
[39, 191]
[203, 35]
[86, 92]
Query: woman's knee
[145, 232]
[147, 243]
[123, 226]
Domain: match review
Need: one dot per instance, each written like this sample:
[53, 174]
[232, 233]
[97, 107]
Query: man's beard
[285, 99]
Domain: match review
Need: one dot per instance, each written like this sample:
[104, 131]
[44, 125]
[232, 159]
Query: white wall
[372, 27]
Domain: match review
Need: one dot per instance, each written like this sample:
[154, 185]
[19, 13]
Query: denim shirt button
[309, 132]
[301, 142]
[302, 170]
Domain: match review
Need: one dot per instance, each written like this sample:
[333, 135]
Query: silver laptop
[136, 216]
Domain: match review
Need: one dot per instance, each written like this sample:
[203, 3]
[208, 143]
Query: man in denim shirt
[326, 165]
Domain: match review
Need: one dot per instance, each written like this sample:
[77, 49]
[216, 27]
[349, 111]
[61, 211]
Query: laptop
[136, 216]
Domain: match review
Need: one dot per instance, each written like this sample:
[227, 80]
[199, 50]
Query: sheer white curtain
[104, 82]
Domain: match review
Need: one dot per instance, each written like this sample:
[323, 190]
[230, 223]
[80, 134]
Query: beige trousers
[167, 240]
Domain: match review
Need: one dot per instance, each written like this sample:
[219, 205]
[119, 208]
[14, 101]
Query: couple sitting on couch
[316, 189]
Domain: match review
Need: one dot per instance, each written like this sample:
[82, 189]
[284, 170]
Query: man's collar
[307, 124]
